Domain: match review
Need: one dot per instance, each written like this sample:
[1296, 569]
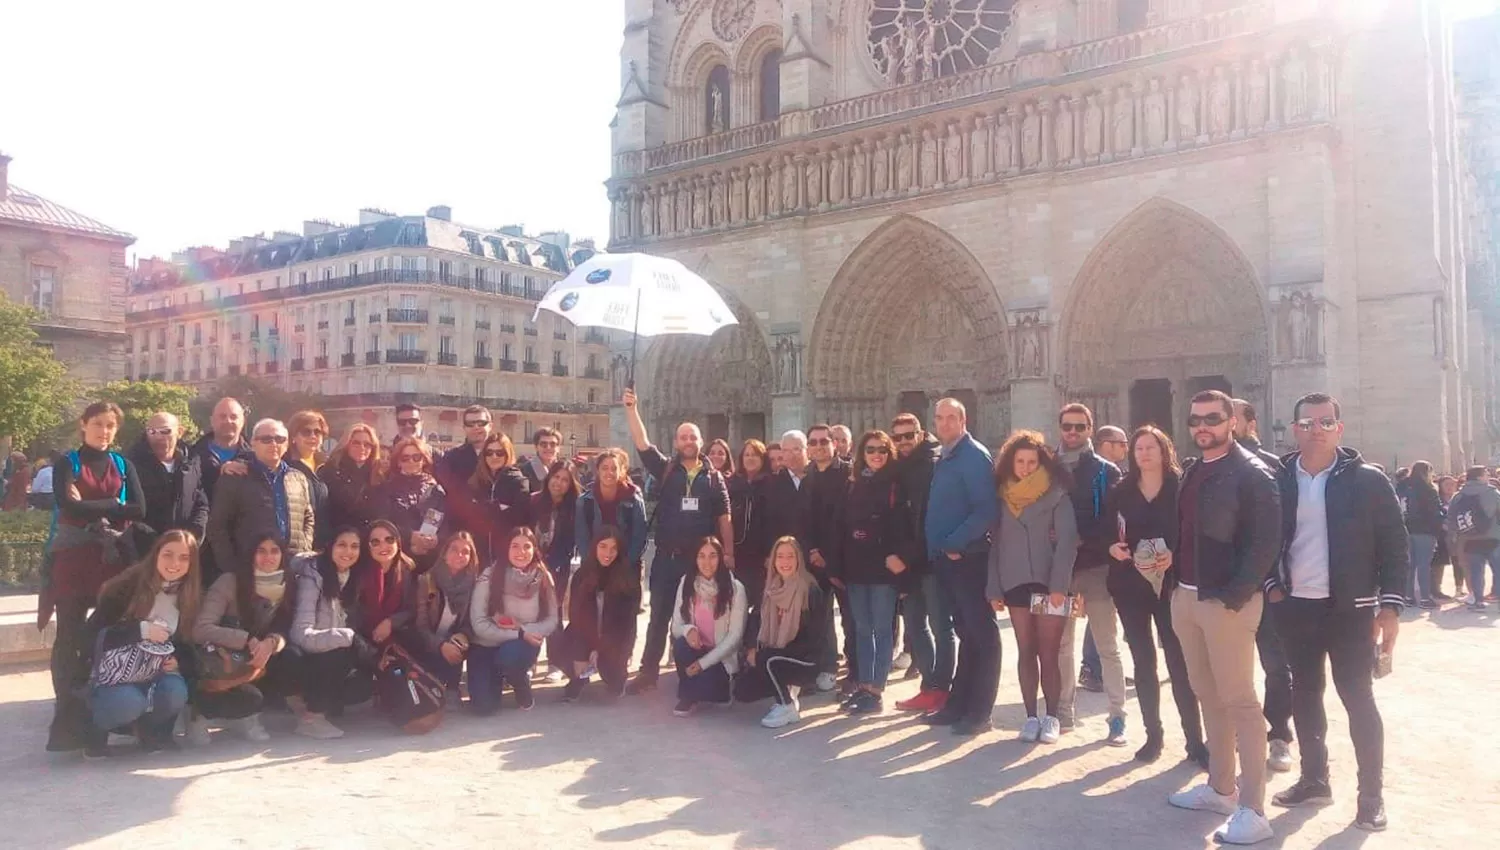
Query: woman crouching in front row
[784, 656]
[708, 623]
[514, 609]
[602, 607]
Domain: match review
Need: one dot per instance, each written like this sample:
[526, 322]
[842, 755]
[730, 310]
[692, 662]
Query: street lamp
[1279, 429]
[573, 445]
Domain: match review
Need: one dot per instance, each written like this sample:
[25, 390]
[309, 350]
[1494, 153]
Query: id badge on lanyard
[689, 504]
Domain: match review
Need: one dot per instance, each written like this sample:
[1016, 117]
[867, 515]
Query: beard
[1210, 440]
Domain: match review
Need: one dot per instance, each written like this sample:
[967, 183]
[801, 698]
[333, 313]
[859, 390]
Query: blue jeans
[121, 705]
[1421, 547]
[1477, 560]
[874, 607]
[489, 666]
[711, 685]
[929, 627]
[1091, 663]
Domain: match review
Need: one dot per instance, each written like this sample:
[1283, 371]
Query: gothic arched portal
[1166, 305]
[910, 317]
[722, 382]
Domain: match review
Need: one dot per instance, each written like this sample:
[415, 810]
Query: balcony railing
[254, 369]
[158, 376]
[482, 361]
[375, 318]
[405, 355]
[254, 335]
[507, 365]
[740, 138]
[372, 358]
[447, 320]
[274, 332]
[481, 324]
[234, 337]
[560, 336]
[531, 368]
[388, 400]
[447, 358]
[593, 337]
[346, 359]
[320, 362]
[177, 375]
[507, 329]
[559, 370]
[300, 327]
[406, 316]
[322, 324]
[195, 374]
[297, 364]
[348, 321]
[529, 331]
[273, 367]
[593, 373]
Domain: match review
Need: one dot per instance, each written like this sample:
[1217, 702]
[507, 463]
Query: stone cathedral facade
[1027, 202]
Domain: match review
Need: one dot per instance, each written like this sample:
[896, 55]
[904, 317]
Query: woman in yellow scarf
[1033, 544]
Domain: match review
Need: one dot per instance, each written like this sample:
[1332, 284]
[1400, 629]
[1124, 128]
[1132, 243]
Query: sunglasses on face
[1075, 427]
[411, 458]
[877, 450]
[1322, 423]
[548, 444]
[408, 423]
[361, 444]
[160, 432]
[820, 442]
[382, 541]
[904, 436]
[495, 453]
[476, 423]
[268, 439]
[1212, 420]
[310, 432]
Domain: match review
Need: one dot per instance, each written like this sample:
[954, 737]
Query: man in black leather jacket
[1230, 512]
[1343, 577]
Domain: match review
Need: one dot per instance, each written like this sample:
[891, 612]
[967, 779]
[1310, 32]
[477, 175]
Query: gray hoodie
[1023, 551]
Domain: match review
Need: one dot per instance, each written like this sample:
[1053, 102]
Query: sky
[192, 123]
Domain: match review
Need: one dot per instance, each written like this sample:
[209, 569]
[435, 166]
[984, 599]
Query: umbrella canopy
[638, 292]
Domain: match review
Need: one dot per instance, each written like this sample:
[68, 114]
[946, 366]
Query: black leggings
[332, 680]
[1038, 639]
[1139, 609]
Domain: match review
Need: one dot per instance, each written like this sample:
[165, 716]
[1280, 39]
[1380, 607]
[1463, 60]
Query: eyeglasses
[548, 444]
[310, 432]
[1322, 423]
[1212, 420]
[408, 423]
[904, 436]
[160, 432]
[382, 541]
[1075, 427]
[362, 444]
[823, 442]
[877, 450]
[476, 423]
[268, 439]
[496, 453]
[411, 458]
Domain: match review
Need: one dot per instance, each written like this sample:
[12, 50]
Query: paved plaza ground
[631, 774]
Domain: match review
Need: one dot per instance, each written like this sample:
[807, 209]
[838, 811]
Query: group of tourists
[250, 570]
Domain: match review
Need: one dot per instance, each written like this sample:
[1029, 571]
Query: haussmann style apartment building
[393, 309]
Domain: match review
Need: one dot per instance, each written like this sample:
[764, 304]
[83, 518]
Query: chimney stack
[442, 212]
[4, 177]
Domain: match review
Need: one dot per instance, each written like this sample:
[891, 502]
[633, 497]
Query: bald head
[1111, 444]
[950, 421]
[689, 441]
[228, 422]
[162, 433]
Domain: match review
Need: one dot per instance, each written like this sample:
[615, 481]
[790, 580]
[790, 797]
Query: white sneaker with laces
[317, 726]
[251, 728]
[554, 675]
[1203, 798]
[1051, 730]
[1031, 730]
[901, 661]
[826, 682]
[1280, 758]
[781, 714]
[1245, 826]
[196, 731]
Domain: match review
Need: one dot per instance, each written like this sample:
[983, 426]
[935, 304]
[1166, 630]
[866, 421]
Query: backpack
[1470, 519]
[409, 696]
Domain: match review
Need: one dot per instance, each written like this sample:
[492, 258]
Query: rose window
[914, 40]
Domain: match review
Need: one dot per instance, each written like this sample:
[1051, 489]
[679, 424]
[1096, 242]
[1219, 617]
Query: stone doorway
[1151, 404]
[722, 382]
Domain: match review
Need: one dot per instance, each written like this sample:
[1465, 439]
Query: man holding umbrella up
[692, 503]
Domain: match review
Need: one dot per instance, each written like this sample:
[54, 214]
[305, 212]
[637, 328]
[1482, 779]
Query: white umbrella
[648, 295]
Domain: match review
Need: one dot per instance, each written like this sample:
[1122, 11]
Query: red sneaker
[926, 701]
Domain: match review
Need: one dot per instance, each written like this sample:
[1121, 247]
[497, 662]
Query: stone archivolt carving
[1029, 340]
[732, 18]
[1204, 103]
[1299, 328]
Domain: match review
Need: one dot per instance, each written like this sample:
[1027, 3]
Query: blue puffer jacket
[962, 504]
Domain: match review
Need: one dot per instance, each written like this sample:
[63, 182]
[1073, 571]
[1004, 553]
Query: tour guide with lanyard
[684, 516]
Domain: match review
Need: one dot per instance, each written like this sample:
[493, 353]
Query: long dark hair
[722, 579]
[617, 579]
[143, 582]
[1005, 467]
[860, 465]
[1171, 470]
[244, 581]
[574, 488]
[328, 573]
[538, 567]
[401, 561]
[728, 468]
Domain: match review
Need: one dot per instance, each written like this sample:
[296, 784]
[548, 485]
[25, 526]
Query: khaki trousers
[1219, 648]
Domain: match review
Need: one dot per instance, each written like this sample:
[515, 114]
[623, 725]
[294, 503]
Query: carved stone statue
[904, 174]
[1031, 137]
[664, 206]
[700, 203]
[929, 176]
[860, 171]
[648, 214]
[717, 124]
[718, 215]
[1124, 122]
[979, 147]
[684, 218]
[1031, 343]
[1294, 89]
[791, 175]
[953, 153]
[1299, 327]
[837, 181]
[756, 191]
[813, 170]
[929, 55]
[911, 52]
[1062, 131]
[1187, 109]
[773, 188]
[787, 362]
[1093, 128]
[1005, 142]
[1155, 115]
[881, 180]
[1256, 96]
[892, 47]
[736, 196]
[1220, 106]
[619, 369]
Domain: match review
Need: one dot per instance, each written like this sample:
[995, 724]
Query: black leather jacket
[1237, 538]
[1369, 563]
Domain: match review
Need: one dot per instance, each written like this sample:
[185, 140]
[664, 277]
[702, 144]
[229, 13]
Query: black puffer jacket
[1369, 562]
[915, 474]
[871, 525]
[1237, 538]
[174, 499]
[1419, 501]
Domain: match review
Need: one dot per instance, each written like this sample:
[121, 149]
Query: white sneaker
[781, 714]
[1280, 759]
[1051, 730]
[1031, 730]
[901, 662]
[1203, 798]
[1245, 826]
[196, 731]
[554, 675]
[826, 682]
[252, 730]
[317, 726]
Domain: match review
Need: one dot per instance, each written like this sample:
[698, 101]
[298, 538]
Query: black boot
[1151, 750]
[521, 684]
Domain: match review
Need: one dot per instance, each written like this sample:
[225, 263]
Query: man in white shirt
[1339, 583]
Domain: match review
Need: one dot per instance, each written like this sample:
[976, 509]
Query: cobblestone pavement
[633, 775]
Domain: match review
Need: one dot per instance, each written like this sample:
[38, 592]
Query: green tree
[261, 400]
[32, 380]
[140, 399]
